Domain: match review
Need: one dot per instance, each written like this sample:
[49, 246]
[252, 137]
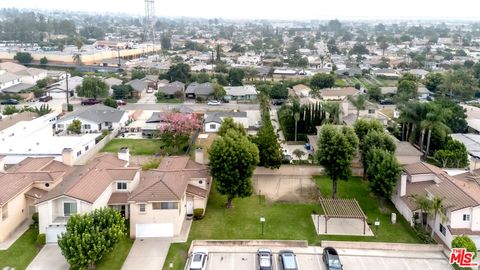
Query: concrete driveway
[147, 254]
[49, 258]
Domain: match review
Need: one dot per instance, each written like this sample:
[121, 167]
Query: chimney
[124, 154]
[2, 163]
[67, 156]
[199, 156]
[403, 185]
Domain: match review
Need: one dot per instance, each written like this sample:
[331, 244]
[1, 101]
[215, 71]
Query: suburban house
[10, 120]
[59, 89]
[349, 113]
[337, 93]
[151, 125]
[94, 119]
[151, 81]
[213, 120]
[472, 143]
[166, 196]
[301, 90]
[460, 195]
[23, 137]
[139, 87]
[31, 75]
[111, 82]
[8, 80]
[196, 90]
[21, 185]
[386, 73]
[246, 92]
[172, 88]
[105, 181]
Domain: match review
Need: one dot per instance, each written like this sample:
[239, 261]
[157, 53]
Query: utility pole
[68, 92]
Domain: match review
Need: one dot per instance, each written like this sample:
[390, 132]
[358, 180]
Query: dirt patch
[277, 188]
[139, 161]
[205, 140]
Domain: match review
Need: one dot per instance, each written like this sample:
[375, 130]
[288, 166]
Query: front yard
[288, 221]
[22, 252]
[114, 260]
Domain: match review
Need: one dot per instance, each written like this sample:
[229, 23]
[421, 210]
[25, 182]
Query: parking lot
[242, 258]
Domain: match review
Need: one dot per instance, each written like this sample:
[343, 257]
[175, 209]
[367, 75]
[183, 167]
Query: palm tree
[296, 116]
[424, 205]
[434, 119]
[437, 210]
[359, 102]
[333, 110]
[411, 115]
[77, 58]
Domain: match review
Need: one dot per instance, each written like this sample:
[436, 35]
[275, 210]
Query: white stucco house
[213, 120]
[94, 119]
[460, 195]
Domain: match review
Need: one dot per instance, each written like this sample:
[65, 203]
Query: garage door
[154, 230]
[52, 233]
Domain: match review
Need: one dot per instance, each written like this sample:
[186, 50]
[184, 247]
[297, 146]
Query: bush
[35, 218]
[200, 99]
[41, 239]
[110, 103]
[10, 109]
[423, 235]
[70, 108]
[465, 242]
[152, 164]
[198, 213]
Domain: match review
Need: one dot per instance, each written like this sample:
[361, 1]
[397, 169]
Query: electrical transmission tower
[149, 31]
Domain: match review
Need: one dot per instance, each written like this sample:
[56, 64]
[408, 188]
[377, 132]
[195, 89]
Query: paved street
[49, 258]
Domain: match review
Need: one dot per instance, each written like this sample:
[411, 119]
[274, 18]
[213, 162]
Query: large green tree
[235, 76]
[453, 155]
[23, 57]
[359, 102]
[233, 159]
[433, 81]
[75, 127]
[435, 119]
[363, 126]
[459, 84]
[372, 140]
[407, 89]
[465, 242]
[179, 72]
[321, 80]
[92, 87]
[122, 91]
[268, 147]
[89, 237]
[384, 171]
[336, 149]
[227, 124]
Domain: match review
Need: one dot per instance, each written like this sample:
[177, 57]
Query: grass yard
[136, 146]
[170, 101]
[287, 221]
[22, 252]
[114, 260]
[355, 187]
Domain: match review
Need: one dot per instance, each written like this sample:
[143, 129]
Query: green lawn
[136, 146]
[22, 252]
[356, 188]
[114, 260]
[288, 221]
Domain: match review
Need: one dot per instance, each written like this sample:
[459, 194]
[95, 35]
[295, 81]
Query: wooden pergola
[341, 208]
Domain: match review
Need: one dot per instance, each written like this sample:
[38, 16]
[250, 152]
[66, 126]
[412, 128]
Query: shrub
[35, 218]
[465, 242]
[41, 239]
[198, 213]
[10, 109]
[200, 99]
[70, 108]
[152, 164]
[423, 235]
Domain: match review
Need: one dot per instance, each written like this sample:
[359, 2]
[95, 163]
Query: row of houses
[156, 202]
[206, 91]
[15, 78]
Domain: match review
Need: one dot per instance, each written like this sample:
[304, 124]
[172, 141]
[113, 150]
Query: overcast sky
[271, 9]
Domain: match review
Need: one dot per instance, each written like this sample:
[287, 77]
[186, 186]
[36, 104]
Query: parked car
[149, 90]
[278, 102]
[287, 260]
[121, 102]
[331, 259]
[10, 101]
[264, 256]
[199, 259]
[45, 98]
[213, 103]
[90, 101]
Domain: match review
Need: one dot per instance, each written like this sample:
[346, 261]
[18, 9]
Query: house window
[121, 186]
[213, 126]
[5, 211]
[86, 148]
[156, 206]
[466, 217]
[371, 111]
[169, 205]
[60, 126]
[69, 208]
[79, 153]
[87, 126]
[443, 230]
[142, 208]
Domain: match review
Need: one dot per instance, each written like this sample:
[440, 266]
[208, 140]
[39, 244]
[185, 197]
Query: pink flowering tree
[175, 130]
